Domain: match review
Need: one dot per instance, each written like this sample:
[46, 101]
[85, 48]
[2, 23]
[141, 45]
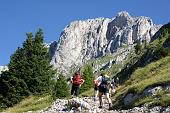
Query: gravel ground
[88, 105]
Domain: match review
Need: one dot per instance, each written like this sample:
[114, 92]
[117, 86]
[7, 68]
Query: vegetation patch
[162, 98]
[32, 103]
[154, 74]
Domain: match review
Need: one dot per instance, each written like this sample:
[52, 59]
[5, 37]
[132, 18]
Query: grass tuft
[31, 103]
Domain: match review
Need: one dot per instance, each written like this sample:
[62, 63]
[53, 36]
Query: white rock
[83, 40]
[3, 68]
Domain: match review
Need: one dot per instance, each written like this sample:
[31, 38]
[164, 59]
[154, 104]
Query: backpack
[104, 83]
[77, 79]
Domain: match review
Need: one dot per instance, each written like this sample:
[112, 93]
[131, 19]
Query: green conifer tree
[138, 48]
[12, 90]
[42, 72]
[31, 63]
[61, 89]
[88, 77]
[29, 72]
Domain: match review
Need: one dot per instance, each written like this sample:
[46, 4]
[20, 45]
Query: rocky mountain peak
[122, 19]
[91, 38]
[123, 13]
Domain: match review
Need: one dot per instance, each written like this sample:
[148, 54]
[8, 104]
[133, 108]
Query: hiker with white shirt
[103, 85]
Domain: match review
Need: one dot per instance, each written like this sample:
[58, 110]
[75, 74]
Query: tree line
[30, 73]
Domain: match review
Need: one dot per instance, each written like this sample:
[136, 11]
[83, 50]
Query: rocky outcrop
[3, 68]
[130, 97]
[52, 49]
[79, 42]
[83, 40]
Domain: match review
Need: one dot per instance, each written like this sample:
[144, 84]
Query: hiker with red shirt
[76, 81]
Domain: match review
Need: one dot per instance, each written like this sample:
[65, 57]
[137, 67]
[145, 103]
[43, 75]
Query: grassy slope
[153, 74]
[31, 103]
[150, 70]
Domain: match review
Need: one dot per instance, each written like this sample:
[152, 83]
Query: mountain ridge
[85, 39]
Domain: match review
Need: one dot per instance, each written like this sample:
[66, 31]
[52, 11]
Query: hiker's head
[76, 73]
[101, 74]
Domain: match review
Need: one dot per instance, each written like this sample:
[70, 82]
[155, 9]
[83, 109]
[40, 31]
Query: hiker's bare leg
[109, 100]
[110, 91]
[100, 99]
[96, 93]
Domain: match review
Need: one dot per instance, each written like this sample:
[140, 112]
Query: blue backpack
[104, 83]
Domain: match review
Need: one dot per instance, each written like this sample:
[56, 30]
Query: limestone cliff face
[83, 40]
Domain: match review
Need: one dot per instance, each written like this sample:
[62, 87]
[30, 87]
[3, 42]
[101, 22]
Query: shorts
[103, 89]
[75, 90]
[96, 87]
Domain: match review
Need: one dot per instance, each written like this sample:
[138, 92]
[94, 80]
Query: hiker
[117, 81]
[96, 89]
[104, 89]
[76, 81]
[112, 88]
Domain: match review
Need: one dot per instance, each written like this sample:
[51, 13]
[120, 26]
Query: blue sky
[17, 17]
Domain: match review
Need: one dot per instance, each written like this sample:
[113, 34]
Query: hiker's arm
[82, 81]
[71, 79]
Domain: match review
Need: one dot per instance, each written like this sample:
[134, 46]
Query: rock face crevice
[83, 40]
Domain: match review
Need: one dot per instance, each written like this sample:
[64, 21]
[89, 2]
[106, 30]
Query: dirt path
[88, 105]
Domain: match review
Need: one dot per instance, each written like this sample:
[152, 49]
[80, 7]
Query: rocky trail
[88, 105]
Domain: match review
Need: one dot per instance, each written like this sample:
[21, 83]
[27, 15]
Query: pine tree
[88, 77]
[12, 90]
[61, 89]
[41, 78]
[138, 48]
[18, 65]
[31, 63]
[29, 72]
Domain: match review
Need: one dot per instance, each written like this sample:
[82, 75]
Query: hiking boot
[100, 106]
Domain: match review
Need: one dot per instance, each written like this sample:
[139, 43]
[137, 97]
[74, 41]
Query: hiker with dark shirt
[76, 81]
[104, 89]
